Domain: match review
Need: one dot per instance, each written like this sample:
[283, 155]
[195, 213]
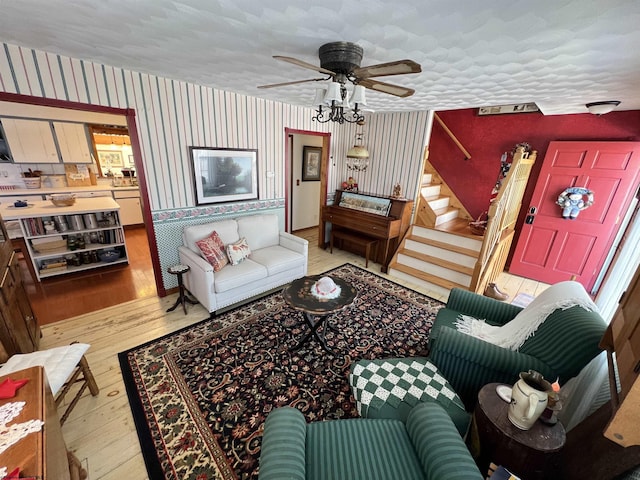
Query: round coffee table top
[298, 295]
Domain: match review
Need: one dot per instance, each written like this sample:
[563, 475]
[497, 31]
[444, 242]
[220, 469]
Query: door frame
[130, 116]
[288, 173]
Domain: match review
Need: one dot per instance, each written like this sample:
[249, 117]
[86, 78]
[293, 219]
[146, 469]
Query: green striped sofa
[427, 447]
[560, 348]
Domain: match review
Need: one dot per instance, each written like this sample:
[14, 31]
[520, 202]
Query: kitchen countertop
[53, 190]
[44, 208]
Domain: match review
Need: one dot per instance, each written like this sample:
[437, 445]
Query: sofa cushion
[213, 251]
[227, 231]
[360, 449]
[237, 276]
[238, 251]
[277, 259]
[260, 230]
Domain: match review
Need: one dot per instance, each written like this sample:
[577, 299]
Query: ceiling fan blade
[396, 90]
[399, 67]
[274, 85]
[302, 64]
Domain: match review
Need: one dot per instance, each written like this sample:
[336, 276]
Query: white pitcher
[529, 398]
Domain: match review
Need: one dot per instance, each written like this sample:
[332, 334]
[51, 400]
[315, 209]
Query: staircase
[439, 252]
[437, 259]
[434, 207]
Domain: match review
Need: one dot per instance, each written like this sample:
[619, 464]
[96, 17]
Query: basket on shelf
[63, 200]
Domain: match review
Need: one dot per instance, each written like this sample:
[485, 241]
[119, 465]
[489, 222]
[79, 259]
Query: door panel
[553, 249]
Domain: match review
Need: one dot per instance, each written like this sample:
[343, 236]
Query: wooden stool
[179, 270]
[360, 240]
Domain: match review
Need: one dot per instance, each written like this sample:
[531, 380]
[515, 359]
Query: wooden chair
[64, 367]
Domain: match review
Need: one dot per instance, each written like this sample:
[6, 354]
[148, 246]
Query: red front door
[552, 249]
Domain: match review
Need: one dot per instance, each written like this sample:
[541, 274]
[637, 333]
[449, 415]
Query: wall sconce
[358, 156]
[600, 108]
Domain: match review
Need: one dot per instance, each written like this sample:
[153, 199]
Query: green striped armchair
[428, 446]
[560, 348]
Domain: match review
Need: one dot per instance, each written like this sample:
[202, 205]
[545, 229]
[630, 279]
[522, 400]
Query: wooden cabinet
[623, 338]
[19, 330]
[41, 141]
[72, 142]
[40, 454]
[130, 207]
[30, 141]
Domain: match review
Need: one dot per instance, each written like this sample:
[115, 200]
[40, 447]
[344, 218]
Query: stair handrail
[503, 214]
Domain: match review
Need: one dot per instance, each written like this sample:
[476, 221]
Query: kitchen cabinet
[130, 207]
[19, 330]
[72, 142]
[61, 240]
[30, 141]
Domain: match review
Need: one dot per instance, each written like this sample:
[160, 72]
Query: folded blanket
[513, 334]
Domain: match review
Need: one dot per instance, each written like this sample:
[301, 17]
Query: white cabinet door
[30, 141]
[130, 211]
[73, 143]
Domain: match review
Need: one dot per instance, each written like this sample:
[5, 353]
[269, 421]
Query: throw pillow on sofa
[238, 251]
[213, 250]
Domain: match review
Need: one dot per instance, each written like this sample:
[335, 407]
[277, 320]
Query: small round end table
[183, 298]
[530, 454]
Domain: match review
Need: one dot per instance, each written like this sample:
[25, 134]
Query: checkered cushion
[389, 388]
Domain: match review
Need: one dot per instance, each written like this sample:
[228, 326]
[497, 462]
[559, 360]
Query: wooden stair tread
[443, 210]
[414, 272]
[437, 261]
[458, 226]
[445, 246]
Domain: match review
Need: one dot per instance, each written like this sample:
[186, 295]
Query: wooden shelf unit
[105, 234]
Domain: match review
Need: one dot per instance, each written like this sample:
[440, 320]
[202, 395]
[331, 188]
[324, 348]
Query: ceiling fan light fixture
[321, 93]
[600, 108]
[358, 97]
[333, 93]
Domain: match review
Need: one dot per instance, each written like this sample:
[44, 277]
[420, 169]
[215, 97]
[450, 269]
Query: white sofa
[276, 258]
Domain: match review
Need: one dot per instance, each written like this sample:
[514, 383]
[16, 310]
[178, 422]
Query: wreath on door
[573, 200]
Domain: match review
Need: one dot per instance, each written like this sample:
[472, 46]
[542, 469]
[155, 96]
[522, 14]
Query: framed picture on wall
[110, 158]
[224, 174]
[311, 161]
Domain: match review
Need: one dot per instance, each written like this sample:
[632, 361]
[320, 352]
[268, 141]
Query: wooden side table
[40, 454]
[530, 454]
[183, 298]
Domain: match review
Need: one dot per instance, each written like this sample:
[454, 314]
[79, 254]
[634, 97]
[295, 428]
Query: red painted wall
[487, 137]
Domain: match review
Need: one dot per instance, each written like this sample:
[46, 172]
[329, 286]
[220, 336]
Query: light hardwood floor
[100, 429]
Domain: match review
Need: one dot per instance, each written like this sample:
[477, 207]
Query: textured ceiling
[560, 54]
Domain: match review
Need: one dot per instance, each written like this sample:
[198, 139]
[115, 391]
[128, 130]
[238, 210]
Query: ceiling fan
[341, 62]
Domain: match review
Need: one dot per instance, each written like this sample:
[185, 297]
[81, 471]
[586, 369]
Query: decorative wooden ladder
[441, 255]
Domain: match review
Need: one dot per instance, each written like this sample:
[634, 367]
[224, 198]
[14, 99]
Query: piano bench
[355, 238]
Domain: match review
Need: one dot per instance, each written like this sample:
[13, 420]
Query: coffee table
[316, 311]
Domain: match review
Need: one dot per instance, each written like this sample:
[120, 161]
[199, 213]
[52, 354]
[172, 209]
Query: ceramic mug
[529, 398]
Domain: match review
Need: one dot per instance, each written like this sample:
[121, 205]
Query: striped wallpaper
[172, 115]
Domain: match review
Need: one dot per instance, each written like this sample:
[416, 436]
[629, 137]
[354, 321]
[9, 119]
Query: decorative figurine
[397, 191]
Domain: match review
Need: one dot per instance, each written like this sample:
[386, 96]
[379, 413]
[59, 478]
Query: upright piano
[384, 218]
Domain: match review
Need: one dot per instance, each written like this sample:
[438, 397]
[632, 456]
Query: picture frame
[366, 203]
[311, 163]
[223, 175]
[132, 162]
[110, 158]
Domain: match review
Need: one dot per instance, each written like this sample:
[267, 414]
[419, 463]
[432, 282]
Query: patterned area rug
[200, 396]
